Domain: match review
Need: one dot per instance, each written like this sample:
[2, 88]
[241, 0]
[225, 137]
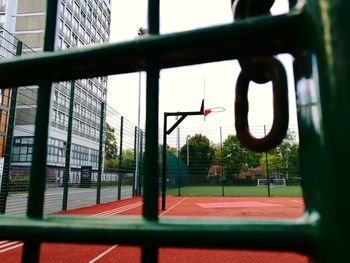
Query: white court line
[296, 201]
[102, 254]
[166, 211]
[9, 244]
[13, 245]
[10, 248]
[119, 209]
[111, 248]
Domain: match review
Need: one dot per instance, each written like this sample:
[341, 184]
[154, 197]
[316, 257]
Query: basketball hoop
[213, 110]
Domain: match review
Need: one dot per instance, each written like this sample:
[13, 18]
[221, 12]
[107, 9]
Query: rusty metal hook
[280, 109]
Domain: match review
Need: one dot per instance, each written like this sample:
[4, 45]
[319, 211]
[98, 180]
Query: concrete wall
[25, 6]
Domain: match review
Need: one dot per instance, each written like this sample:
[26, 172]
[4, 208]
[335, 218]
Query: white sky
[182, 89]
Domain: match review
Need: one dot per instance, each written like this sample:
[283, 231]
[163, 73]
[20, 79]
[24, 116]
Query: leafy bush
[19, 183]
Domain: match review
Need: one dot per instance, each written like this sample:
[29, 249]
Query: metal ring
[243, 9]
[280, 110]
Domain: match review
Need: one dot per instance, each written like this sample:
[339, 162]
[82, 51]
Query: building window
[56, 151]
[67, 31]
[22, 149]
[82, 16]
[76, 23]
[62, 8]
[69, 15]
[76, 7]
[75, 39]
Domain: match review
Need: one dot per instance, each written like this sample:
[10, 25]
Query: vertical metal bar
[324, 121]
[31, 250]
[9, 140]
[137, 168]
[267, 170]
[151, 174]
[221, 166]
[178, 162]
[121, 168]
[100, 154]
[150, 205]
[164, 160]
[66, 171]
[134, 163]
[140, 174]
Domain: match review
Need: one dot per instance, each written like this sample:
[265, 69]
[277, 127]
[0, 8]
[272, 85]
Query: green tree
[128, 163]
[236, 158]
[201, 156]
[284, 159]
[111, 148]
[111, 165]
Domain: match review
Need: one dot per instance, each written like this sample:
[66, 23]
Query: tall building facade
[79, 23]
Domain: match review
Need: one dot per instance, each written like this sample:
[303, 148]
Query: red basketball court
[252, 207]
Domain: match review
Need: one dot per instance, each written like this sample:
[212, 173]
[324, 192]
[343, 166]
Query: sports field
[225, 207]
[236, 191]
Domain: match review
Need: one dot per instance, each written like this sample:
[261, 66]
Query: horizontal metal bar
[289, 235]
[252, 37]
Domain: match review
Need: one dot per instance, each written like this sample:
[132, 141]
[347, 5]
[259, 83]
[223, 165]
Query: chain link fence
[213, 162]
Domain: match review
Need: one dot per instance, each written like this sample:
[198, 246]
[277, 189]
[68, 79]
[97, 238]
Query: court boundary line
[102, 254]
[171, 208]
[113, 247]
[296, 201]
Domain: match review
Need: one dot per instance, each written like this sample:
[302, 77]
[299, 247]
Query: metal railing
[314, 32]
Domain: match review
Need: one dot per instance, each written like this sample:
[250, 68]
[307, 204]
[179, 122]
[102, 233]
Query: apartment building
[79, 23]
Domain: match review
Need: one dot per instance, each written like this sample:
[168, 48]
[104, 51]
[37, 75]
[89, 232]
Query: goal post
[276, 182]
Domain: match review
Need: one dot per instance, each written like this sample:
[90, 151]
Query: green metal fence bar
[288, 235]
[149, 252]
[322, 81]
[66, 171]
[121, 166]
[221, 166]
[134, 164]
[258, 36]
[267, 170]
[31, 249]
[100, 154]
[9, 140]
[141, 170]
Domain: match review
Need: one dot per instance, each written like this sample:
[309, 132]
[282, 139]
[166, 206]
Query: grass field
[236, 191]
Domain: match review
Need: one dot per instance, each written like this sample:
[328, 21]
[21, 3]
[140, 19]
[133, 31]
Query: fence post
[164, 159]
[140, 164]
[35, 207]
[66, 171]
[120, 158]
[135, 164]
[178, 163]
[100, 154]
[267, 169]
[9, 139]
[221, 166]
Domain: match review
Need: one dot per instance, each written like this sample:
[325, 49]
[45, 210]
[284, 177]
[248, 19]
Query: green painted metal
[231, 41]
[324, 121]
[149, 251]
[135, 160]
[267, 169]
[31, 248]
[315, 33]
[141, 170]
[121, 166]
[289, 235]
[66, 171]
[221, 166]
[100, 154]
[9, 140]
